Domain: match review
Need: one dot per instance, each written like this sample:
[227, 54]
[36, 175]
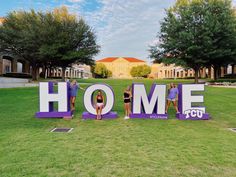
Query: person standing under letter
[74, 87]
[127, 101]
[172, 97]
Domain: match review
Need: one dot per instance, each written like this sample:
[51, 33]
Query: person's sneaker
[126, 117]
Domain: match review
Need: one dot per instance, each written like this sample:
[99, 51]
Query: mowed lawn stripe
[116, 147]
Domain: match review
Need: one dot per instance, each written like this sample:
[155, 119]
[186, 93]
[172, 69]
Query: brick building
[121, 66]
[162, 71]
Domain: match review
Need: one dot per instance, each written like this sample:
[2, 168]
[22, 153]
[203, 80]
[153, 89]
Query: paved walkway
[15, 85]
[223, 86]
[6, 82]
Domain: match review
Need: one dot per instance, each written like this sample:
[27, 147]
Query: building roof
[111, 59]
[1, 20]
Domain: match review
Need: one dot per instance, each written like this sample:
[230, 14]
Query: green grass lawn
[116, 147]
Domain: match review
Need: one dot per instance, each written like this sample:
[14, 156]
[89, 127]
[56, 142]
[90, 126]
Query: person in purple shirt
[74, 87]
[172, 97]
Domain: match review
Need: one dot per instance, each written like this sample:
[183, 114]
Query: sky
[124, 28]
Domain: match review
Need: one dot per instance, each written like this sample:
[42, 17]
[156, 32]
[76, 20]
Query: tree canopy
[140, 71]
[101, 71]
[48, 39]
[197, 33]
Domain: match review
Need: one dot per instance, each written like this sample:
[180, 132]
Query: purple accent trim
[110, 115]
[132, 98]
[148, 116]
[180, 98]
[52, 114]
[205, 116]
[50, 91]
[68, 96]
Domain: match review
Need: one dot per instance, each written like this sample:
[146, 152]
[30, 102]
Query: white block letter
[88, 98]
[152, 104]
[188, 98]
[46, 97]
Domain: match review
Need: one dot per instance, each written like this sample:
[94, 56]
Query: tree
[222, 27]
[74, 41]
[197, 33]
[101, 71]
[19, 36]
[48, 39]
[140, 71]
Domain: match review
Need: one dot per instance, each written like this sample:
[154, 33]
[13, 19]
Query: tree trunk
[209, 72]
[196, 71]
[50, 72]
[43, 71]
[63, 73]
[216, 72]
[45, 74]
[35, 73]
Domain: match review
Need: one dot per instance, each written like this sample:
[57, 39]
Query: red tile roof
[111, 59]
[1, 20]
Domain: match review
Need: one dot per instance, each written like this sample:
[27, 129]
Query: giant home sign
[147, 106]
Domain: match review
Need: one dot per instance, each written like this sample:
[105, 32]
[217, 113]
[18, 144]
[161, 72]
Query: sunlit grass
[116, 147]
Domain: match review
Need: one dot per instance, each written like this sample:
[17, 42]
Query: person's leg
[97, 111]
[73, 102]
[175, 105]
[126, 110]
[129, 109]
[101, 112]
[167, 105]
[74, 98]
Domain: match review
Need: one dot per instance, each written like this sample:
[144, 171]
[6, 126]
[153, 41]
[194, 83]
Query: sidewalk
[222, 86]
[6, 82]
[15, 85]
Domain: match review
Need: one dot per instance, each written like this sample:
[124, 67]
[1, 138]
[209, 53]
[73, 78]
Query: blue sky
[122, 27]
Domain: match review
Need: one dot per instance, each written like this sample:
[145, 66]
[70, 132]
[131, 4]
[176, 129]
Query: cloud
[127, 27]
[75, 1]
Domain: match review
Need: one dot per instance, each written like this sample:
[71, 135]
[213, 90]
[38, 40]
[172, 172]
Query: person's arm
[130, 95]
[177, 93]
[82, 88]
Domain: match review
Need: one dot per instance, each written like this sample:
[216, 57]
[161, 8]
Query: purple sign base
[183, 117]
[110, 115]
[148, 116]
[53, 114]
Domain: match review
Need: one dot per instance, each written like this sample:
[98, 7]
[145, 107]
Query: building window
[7, 69]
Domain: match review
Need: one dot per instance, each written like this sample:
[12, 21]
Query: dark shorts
[127, 101]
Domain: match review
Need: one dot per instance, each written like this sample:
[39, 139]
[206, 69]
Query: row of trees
[196, 34]
[101, 71]
[48, 39]
[140, 71]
